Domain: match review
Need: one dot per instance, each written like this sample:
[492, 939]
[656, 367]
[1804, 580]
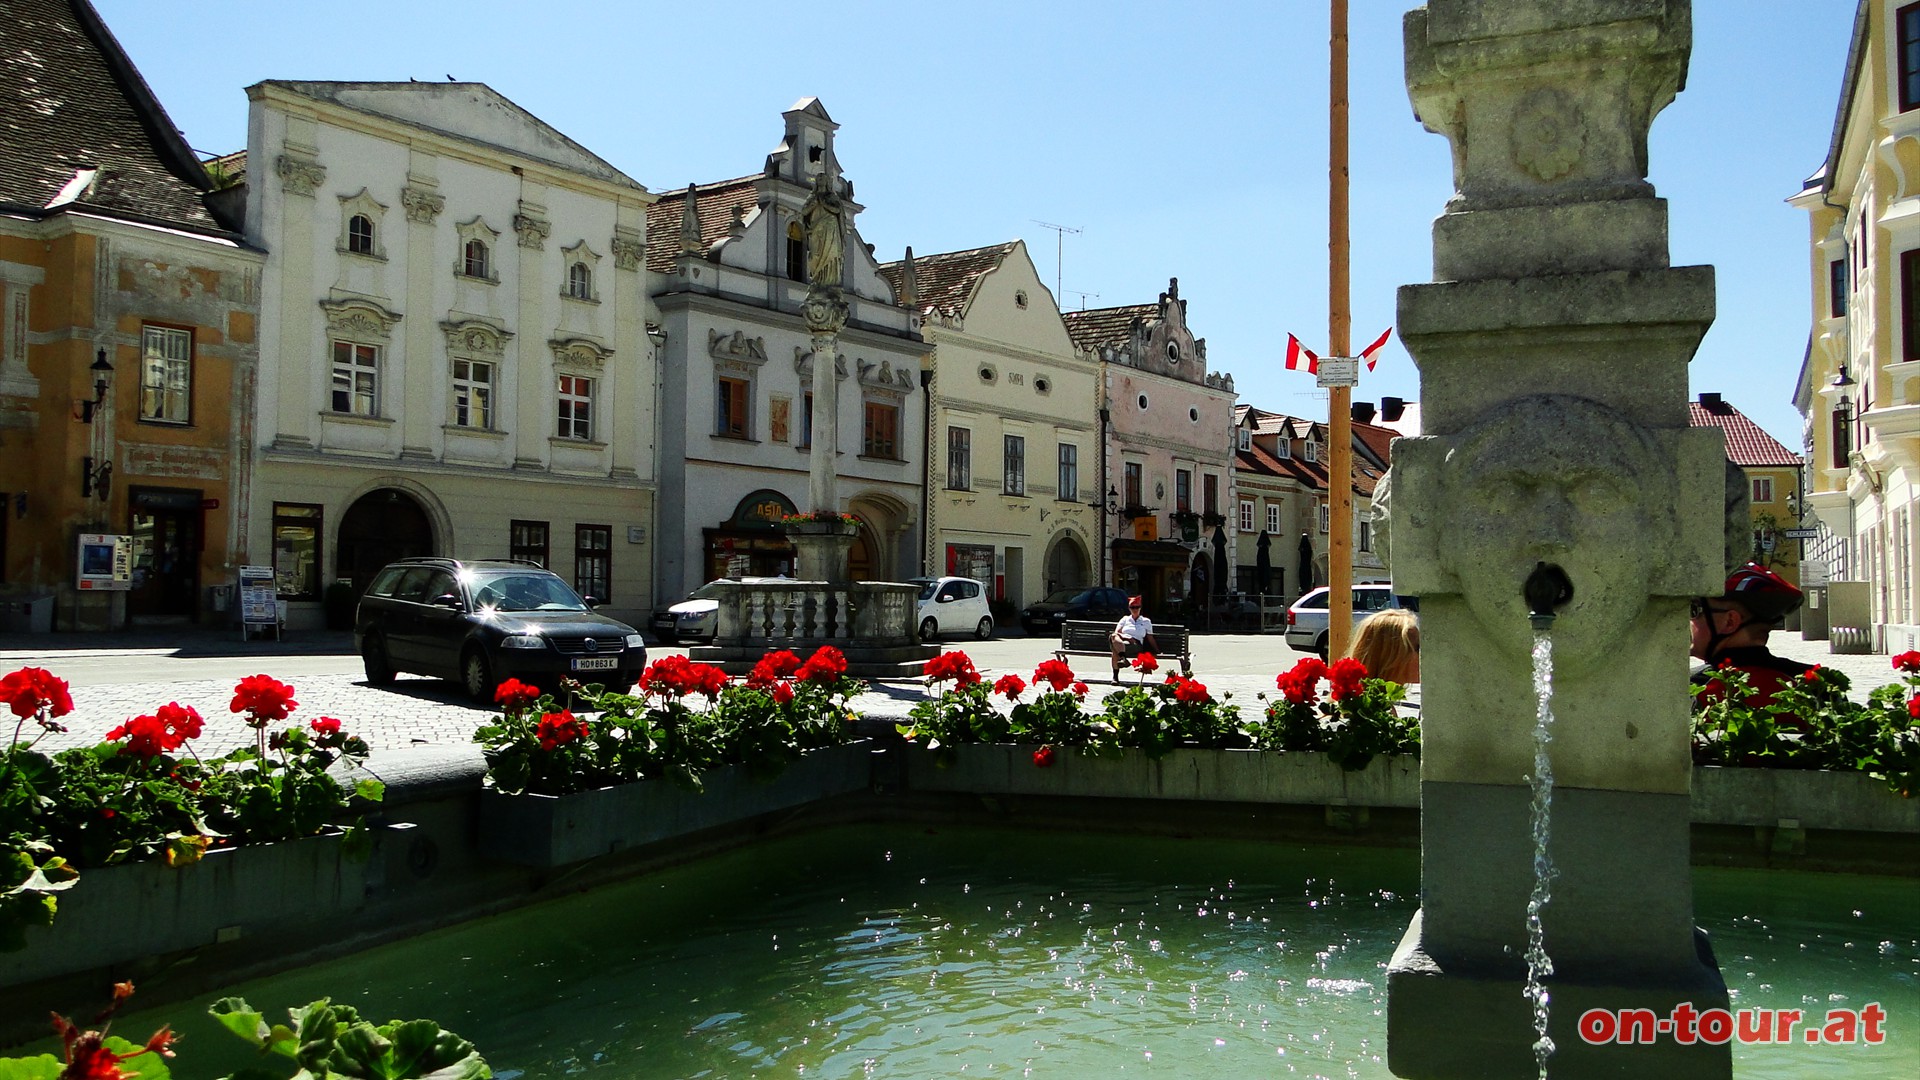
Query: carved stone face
[1564, 481]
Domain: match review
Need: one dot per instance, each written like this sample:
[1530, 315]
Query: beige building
[1860, 388]
[455, 355]
[1773, 482]
[1280, 494]
[1013, 460]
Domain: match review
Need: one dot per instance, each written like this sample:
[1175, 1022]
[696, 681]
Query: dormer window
[360, 217]
[1246, 443]
[1313, 451]
[476, 260]
[360, 234]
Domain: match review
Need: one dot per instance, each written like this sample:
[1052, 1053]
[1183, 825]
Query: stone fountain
[1553, 346]
[874, 623]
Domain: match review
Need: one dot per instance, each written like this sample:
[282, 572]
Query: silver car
[1307, 617]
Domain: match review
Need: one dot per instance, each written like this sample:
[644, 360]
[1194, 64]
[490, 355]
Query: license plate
[596, 663]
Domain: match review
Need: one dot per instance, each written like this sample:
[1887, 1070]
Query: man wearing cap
[1730, 631]
[1132, 635]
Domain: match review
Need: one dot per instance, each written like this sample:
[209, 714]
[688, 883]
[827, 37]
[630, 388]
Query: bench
[1078, 638]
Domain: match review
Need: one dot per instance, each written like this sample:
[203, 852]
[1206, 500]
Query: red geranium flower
[325, 725]
[676, 676]
[1012, 686]
[952, 665]
[515, 696]
[1188, 691]
[1907, 661]
[1146, 664]
[1054, 672]
[773, 666]
[263, 698]
[1345, 677]
[558, 729]
[1080, 689]
[162, 732]
[29, 690]
[1303, 681]
[783, 691]
[1913, 707]
[1043, 757]
[826, 665]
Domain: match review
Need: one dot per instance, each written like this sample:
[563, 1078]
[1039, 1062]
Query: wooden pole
[1339, 330]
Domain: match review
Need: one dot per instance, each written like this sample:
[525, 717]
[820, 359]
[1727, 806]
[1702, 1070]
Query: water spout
[1547, 589]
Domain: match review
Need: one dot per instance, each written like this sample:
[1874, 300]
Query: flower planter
[1249, 776]
[142, 910]
[557, 830]
[1813, 799]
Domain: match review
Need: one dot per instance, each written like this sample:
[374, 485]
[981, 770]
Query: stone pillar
[825, 313]
[1553, 348]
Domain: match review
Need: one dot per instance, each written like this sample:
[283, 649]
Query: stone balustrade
[872, 622]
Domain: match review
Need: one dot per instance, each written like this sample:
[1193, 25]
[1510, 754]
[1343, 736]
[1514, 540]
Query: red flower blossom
[515, 696]
[776, 665]
[1146, 664]
[783, 691]
[952, 665]
[1079, 689]
[1913, 707]
[676, 676]
[558, 729]
[1345, 677]
[826, 666]
[1054, 672]
[86, 1052]
[1043, 757]
[1188, 691]
[1301, 684]
[162, 732]
[29, 690]
[263, 699]
[1011, 686]
[1907, 661]
[1812, 674]
[326, 725]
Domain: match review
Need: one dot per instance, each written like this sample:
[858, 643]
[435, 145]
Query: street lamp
[102, 371]
[1111, 505]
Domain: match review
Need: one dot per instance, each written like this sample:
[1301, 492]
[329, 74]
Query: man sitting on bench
[1132, 635]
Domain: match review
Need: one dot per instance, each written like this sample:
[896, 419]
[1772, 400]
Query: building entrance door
[380, 527]
[165, 524]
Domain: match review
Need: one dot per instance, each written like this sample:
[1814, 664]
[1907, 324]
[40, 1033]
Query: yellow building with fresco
[1860, 389]
[127, 346]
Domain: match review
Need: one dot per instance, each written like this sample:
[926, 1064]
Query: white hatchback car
[698, 616]
[953, 605]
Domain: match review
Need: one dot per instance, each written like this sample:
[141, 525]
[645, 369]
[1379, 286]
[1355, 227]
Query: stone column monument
[1553, 346]
[822, 546]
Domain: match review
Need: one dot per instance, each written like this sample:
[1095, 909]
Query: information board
[258, 596]
[104, 563]
[1338, 371]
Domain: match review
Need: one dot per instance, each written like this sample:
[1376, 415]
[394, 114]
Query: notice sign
[104, 563]
[257, 595]
[1339, 371]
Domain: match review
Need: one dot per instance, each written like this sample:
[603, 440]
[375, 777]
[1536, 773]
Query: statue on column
[826, 244]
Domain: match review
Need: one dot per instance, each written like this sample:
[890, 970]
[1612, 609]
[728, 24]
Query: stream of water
[1539, 964]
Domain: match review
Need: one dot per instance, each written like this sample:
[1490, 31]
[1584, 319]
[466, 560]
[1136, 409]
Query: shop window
[593, 561]
[527, 540]
[296, 550]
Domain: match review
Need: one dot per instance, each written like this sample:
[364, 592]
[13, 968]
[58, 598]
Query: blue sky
[1185, 141]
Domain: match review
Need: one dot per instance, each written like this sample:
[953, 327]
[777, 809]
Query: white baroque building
[729, 268]
[455, 357]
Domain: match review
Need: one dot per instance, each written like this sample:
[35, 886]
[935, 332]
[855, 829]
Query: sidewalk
[174, 641]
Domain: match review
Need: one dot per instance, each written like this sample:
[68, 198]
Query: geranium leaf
[40, 1067]
[240, 1018]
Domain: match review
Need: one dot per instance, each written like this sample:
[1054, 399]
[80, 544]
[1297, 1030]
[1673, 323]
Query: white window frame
[355, 372]
[1013, 464]
[1324, 515]
[1762, 489]
[1273, 518]
[959, 458]
[473, 386]
[1069, 472]
[166, 375]
[1246, 515]
[573, 412]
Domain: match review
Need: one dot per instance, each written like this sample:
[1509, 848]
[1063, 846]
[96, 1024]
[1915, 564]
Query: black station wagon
[480, 622]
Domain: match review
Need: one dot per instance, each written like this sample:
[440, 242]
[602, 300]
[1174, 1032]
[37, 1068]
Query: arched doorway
[383, 525]
[860, 557]
[1068, 565]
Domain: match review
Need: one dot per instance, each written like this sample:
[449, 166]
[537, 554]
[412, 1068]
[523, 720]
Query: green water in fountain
[902, 952]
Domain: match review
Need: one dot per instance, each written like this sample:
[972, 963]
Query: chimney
[1363, 412]
[1392, 408]
[1710, 402]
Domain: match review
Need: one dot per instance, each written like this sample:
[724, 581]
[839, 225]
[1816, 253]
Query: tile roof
[944, 282]
[714, 206]
[1747, 445]
[1106, 326]
[71, 100]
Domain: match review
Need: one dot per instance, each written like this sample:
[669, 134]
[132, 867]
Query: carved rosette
[422, 206]
[359, 320]
[1548, 138]
[629, 251]
[472, 337]
[532, 231]
[299, 176]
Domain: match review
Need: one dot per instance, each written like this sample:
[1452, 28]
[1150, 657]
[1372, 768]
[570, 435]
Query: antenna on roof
[1059, 242]
[1084, 297]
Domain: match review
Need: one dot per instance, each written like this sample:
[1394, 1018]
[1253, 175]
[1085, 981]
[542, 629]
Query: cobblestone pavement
[117, 676]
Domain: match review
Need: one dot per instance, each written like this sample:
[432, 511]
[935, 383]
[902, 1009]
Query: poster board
[258, 600]
[103, 562]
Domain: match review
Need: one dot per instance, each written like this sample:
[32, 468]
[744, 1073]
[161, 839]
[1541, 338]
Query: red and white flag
[1367, 353]
[1299, 356]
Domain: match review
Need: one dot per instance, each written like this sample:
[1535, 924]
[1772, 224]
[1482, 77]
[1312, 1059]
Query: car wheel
[985, 629]
[929, 629]
[1320, 647]
[476, 676]
[373, 657]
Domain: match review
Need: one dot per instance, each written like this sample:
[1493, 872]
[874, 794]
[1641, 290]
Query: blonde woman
[1388, 643]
